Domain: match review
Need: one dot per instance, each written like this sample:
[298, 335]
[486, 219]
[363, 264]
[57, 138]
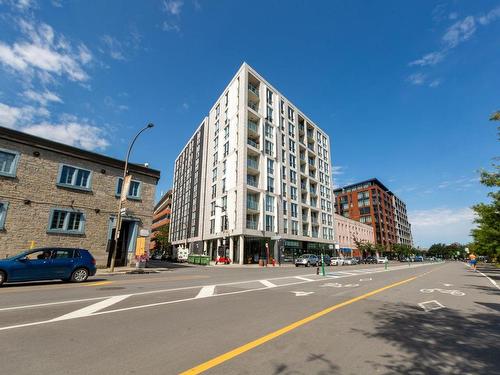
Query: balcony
[252, 205]
[310, 135]
[253, 90]
[314, 219]
[252, 181]
[315, 234]
[252, 224]
[304, 200]
[312, 174]
[310, 146]
[252, 163]
[301, 129]
[303, 186]
[313, 191]
[314, 203]
[253, 127]
[303, 169]
[305, 218]
[252, 143]
[253, 105]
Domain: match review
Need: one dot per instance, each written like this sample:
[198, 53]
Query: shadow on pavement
[167, 265]
[438, 342]
[323, 365]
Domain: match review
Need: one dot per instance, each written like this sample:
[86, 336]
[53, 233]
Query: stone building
[348, 231]
[52, 194]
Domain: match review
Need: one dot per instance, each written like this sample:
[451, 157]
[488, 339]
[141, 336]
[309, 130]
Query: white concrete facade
[268, 171]
[403, 227]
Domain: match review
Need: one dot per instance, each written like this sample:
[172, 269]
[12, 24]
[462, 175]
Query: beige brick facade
[33, 193]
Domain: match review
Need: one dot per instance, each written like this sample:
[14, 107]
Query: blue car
[50, 263]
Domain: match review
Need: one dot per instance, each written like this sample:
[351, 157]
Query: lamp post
[123, 194]
[223, 210]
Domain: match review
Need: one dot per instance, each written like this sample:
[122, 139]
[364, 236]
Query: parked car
[326, 258]
[370, 260]
[307, 260]
[350, 261]
[382, 260]
[67, 264]
[337, 261]
[419, 258]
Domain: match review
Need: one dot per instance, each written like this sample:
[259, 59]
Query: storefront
[291, 250]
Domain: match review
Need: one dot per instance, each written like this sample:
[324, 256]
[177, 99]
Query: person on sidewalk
[473, 261]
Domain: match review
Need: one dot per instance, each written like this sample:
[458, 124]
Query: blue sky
[404, 89]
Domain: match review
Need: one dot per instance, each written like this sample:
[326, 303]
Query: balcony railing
[253, 126]
[252, 163]
[254, 106]
[252, 143]
[253, 89]
[251, 224]
[253, 205]
[315, 234]
[252, 181]
[314, 220]
[305, 218]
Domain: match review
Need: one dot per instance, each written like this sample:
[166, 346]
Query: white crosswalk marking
[206, 291]
[89, 310]
[267, 283]
[303, 278]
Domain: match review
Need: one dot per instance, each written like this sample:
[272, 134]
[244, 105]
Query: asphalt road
[422, 319]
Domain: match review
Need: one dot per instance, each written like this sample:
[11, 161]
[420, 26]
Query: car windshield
[17, 256]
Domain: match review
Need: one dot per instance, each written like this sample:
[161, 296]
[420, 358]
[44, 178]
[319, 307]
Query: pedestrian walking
[473, 261]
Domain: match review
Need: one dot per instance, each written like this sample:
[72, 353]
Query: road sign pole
[323, 264]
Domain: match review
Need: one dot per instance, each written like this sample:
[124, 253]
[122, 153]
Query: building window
[226, 132]
[223, 185]
[74, 177]
[212, 226]
[293, 193]
[66, 221]
[293, 209]
[8, 162]
[295, 227]
[269, 223]
[269, 203]
[268, 130]
[134, 190]
[270, 166]
[214, 191]
[226, 149]
[270, 184]
[214, 174]
[285, 211]
[269, 147]
[3, 213]
[269, 97]
[269, 114]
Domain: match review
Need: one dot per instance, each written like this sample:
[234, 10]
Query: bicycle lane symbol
[456, 293]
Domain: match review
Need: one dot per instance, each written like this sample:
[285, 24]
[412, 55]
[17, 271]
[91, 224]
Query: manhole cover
[111, 288]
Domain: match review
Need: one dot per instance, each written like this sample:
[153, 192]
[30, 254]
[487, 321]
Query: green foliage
[162, 242]
[454, 250]
[487, 233]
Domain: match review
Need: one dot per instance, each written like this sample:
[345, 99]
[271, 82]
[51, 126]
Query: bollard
[386, 265]
[317, 270]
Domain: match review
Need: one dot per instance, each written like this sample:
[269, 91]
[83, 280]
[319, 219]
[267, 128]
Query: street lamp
[119, 215]
[223, 210]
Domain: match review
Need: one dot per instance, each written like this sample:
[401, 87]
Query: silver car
[307, 260]
[350, 261]
[337, 261]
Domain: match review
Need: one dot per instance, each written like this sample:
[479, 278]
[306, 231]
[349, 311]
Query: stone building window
[3, 214]
[8, 162]
[66, 221]
[74, 177]
[134, 190]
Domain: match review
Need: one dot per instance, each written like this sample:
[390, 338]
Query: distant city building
[348, 232]
[371, 202]
[161, 216]
[52, 194]
[254, 179]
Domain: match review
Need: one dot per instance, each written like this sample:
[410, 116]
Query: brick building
[58, 195]
[371, 202]
[161, 216]
[348, 231]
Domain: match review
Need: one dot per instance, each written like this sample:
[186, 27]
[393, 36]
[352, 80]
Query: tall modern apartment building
[254, 179]
[371, 202]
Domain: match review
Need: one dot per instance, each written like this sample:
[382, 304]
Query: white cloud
[173, 7]
[25, 4]
[74, 134]
[169, 26]
[42, 51]
[430, 59]
[441, 225]
[491, 16]
[416, 79]
[338, 170]
[459, 32]
[185, 106]
[435, 83]
[113, 47]
[11, 116]
[110, 102]
[42, 98]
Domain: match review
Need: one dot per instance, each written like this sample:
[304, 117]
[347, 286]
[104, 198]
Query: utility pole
[123, 197]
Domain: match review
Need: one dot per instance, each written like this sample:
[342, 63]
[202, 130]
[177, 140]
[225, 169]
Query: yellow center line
[98, 283]
[262, 340]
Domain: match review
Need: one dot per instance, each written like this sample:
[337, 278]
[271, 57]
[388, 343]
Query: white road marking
[491, 280]
[51, 304]
[368, 279]
[431, 305]
[89, 310]
[457, 293]
[206, 291]
[448, 284]
[333, 285]
[267, 283]
[351, 285]
[180, 300]
[301, 294]
[303, 278]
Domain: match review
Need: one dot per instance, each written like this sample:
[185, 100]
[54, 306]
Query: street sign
[330, 246]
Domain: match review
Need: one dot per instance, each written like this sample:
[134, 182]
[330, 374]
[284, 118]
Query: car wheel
[308, 264]
[296, 265]
[3, 277]
[79, 275]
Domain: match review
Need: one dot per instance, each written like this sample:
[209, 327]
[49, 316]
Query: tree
[162, 242]
[487, 233]
[364, 247]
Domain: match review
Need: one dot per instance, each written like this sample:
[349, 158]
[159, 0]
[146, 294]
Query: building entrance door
[123, 243]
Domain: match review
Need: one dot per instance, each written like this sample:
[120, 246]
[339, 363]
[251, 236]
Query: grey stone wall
[36, 180]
